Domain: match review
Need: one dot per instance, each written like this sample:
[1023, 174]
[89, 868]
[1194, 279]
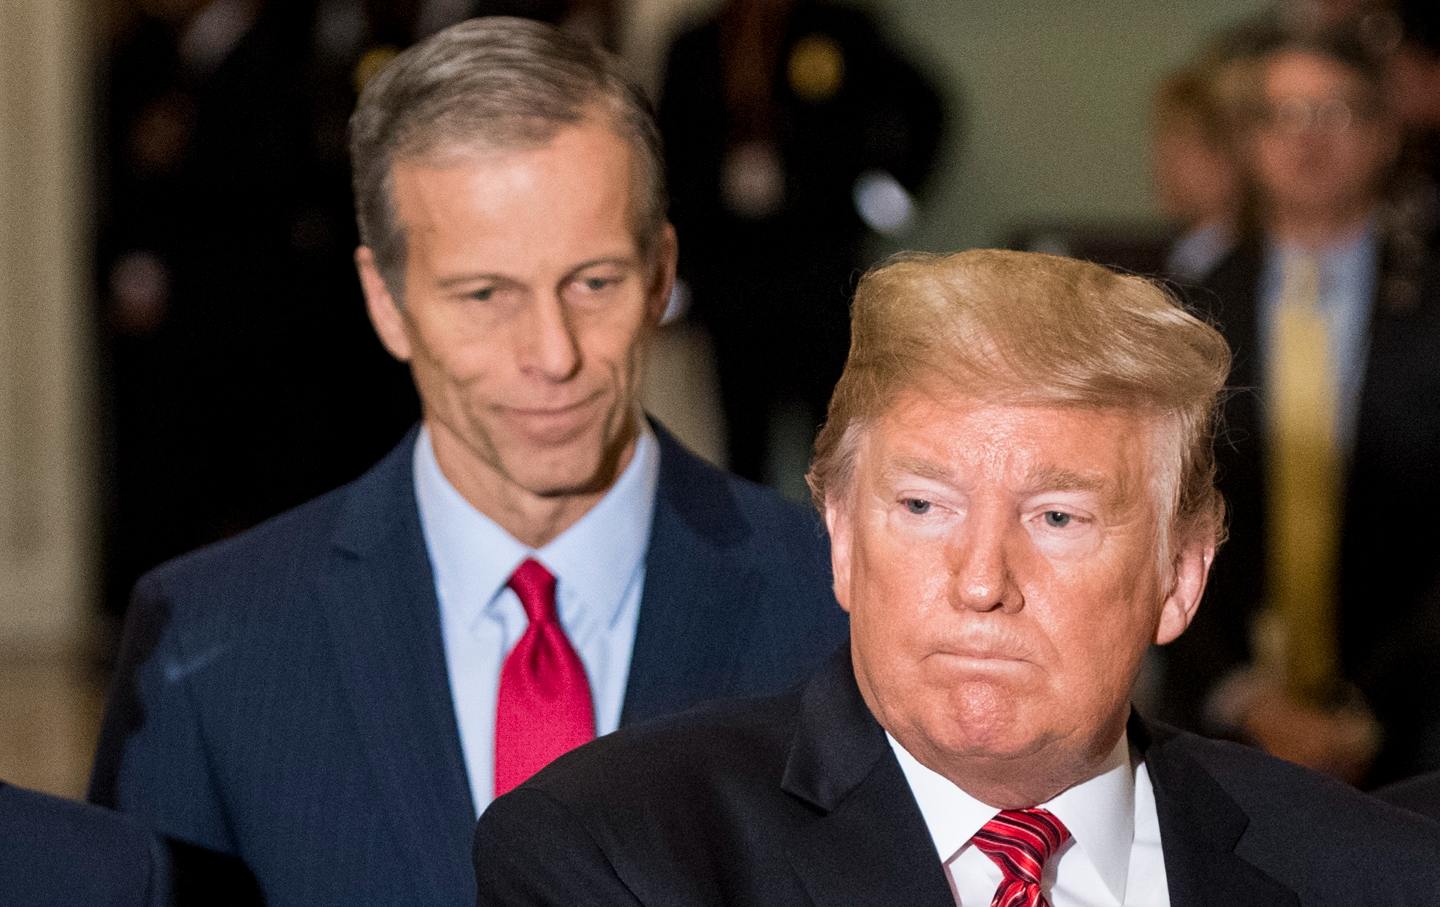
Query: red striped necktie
[543, 707]
[1020, 841]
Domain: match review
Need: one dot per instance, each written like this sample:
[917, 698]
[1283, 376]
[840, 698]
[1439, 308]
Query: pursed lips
[551, 423]
[997, 654]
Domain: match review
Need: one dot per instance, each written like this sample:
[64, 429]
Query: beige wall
[1055, 97]
[1054, 93]
[46, 506]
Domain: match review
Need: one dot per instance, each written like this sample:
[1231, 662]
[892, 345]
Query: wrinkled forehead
[1026, 444]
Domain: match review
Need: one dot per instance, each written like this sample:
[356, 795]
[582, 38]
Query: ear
[1187, 584]
[385, 315]
[662, 272]
[840, 527]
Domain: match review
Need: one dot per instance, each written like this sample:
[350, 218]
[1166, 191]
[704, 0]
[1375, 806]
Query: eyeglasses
[1298, 116]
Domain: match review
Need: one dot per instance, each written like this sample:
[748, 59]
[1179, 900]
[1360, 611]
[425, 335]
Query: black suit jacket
[800, 800]
[1421, 795]
[1388, 565]
[283, 696]
[56, 853]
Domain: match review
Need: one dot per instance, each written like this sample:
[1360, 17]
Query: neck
[532, 518]
[1317, 229]
[1012, 781]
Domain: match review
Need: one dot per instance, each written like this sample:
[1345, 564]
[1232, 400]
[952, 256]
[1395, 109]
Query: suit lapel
[1200, 828]
[869, 844]
[699, 592]
[378, 597]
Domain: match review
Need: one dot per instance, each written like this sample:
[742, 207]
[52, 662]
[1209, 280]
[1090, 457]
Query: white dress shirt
[599, 566]
[1113, 856]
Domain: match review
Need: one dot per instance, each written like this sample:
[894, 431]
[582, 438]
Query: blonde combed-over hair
[1025, 328]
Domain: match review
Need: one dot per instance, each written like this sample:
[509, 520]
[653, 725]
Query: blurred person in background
[794, 132]
[1414, 82]
[336, 694]
[1196, 177]
[1331, 435]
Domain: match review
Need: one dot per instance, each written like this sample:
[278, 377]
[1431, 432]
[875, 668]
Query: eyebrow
[1042, 479]
[621, 261]
[447, 283]
[1053, 478]
[913, 466]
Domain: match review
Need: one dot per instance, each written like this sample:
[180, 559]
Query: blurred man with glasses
[1331, 438]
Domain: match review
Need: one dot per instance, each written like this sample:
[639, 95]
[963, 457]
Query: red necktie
[1020, 841]
[544, 707]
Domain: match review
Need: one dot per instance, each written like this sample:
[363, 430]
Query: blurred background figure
[1414, 86]
[794, 131]
[1326, 577]
[1197, 182]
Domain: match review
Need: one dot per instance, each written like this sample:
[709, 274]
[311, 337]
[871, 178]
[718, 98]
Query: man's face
[999, 565]
[526, 307]
[1194, 180]
[1320, 145]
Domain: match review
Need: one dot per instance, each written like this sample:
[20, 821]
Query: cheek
[898, 586]
[617, 347]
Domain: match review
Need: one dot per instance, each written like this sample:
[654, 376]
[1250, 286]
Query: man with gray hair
[335, 695]
[1018, 478]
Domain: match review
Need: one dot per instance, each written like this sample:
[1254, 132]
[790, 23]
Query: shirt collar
[595, 560]
[1099, 812]
[1339, 261]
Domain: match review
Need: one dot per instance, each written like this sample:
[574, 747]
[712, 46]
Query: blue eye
[1057, 519]
[917, 506]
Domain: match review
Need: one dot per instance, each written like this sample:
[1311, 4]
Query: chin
[983, 720]
[562, 480]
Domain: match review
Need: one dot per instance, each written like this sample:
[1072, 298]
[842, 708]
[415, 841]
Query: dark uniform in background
[773, 114]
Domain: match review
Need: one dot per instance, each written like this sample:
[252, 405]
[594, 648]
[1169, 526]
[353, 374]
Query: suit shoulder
[1421, 795]
[283, 537]
[769, 511]
[737, 512]
[63, 852]
[245, 566]
[1340, 821]
[677, 758]
[259, 565]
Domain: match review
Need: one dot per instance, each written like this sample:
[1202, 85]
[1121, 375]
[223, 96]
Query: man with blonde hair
[1017, 475]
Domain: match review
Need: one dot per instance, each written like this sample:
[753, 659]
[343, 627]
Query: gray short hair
[493, 83]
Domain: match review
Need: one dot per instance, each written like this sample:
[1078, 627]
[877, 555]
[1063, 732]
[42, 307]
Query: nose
[549, 346]
[981, 576]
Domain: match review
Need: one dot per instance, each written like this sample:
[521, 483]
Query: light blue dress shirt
[599, 566]
[1348, 272]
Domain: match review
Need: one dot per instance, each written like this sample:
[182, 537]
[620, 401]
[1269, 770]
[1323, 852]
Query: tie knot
[535, 587]
[1020, 841]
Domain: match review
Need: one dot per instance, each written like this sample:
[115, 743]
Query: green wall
[1054, 98]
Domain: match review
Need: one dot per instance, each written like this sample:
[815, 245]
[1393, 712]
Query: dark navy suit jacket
[56, 853]
[1420, 794]
[283, 696]
[799, 800]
